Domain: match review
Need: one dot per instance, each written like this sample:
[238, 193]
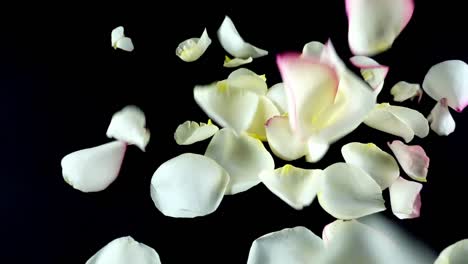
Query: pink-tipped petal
[403, 91]
[440, 119]
[405, 198]
[413, 159]
[372, 72]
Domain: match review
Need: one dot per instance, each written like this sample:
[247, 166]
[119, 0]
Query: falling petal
[348, 192]
[234, 44]
[242, 156]
[295, 186]
[313, 49]
[413, 159]
[277, 95]
[188, 186]
[281, 139]
[372, 72]
[405, 198]
[456, 253]
[128, 125]
[316, 149]
[403, 91]
[125, 250]
[236, 62]
[243, 78]
[119, 40]
[441, 120]
[190, 132]
[265, 110]
[448, 79]
[296, 245]
[192, 49]
[93, 169]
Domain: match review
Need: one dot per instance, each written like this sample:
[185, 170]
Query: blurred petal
[296, 245]
[265, 110]
[348, 192]
[403, 91]
[413, 159]
[188, 186]
[380, 165]
[93, 169]
[234, 44]
[405, 198]
[448, 79]
[398, 121]
[190, 132]
[441, 120]
[119, 40]
[242, 156]
[373, 25]
[125, 250]
[316, 149]
[243, 78]
[192, 49]
[282, 141]
[129, 125]
[372, 72]
[295, 186]
[235, 62]
[313, 49]
[454, 254]
[277, 95]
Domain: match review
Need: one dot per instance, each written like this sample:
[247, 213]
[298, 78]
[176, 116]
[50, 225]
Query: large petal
[243, 78]
[399, 121]
[190, 132]
[242, 156]
[192, 49]
[93, 169]
[405, 198]
[296, 245]
[283, 142]
[347, 192]
[448, 79]
[129, 125]
[277, 95]
[456, 253]
[234, 108]
[441, 120]
[380, 165]
[375, 24]
[125, 250]
[234, 44]
[188, 186]
[265, 110]
[413, 159]
[235, 62]
[372, 72]
[295, 186]
[403, 91]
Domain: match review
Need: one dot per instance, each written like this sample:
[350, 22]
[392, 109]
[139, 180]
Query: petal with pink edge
[277, 95]
[403, 91]
[282, 141]
[413, 159]
[265, 110]
[456, 253]
[441, 120]
[405, 198]
[372, 72]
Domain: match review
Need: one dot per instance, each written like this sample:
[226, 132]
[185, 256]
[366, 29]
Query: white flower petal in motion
[456, 253]
[405, 198]
[265, 110]
[440, 119]
[192, 49]
[277, 95]
[282, 141]
[313, 49]
[295, 186]
[403, 91]
[372, 72]
[190, 132]
[242, 156]
[189, 185]
[235, 62]
[125, 250]
[119, 40]
[129, 125]
[413, 159]
[93, 169]
[243, 78]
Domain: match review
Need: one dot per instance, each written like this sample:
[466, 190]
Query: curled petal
[236, 62]
[456, 253]
[296, 245]
[93, 169]
[380, 165]
[347, 192]
[128, 125]
[190, 132]
[242, 156]
[188, 186]
[374, 25]
[413, 159]
[119, 40]
[192, 49]
[265, 110]
[405, 198]
[403, 91]
[277, 95]
[398, 121]
[313, 49]
[246, 79]
[441, 120]
[448, 79]
[295, 186]
[372, 72]
[282, 141]
[234, 44]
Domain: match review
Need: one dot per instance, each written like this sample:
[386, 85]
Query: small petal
[277, 95]
[316, 149]
[243, 78]
[398, 121]
[380, 165]
[234, 44]
[192, 49]
[188, 186]
[313, 49]
[190, 132]
[374, 25]
[296, 245]
[456, 253]
[125, 250]
[236, 62]
[403, 91]
[405, 198]
[372, 72]
[441, 120]
[448, 79]
[93, 169]
[281, 139]
[295, 186]
[413, 159]
[265, 110]
[128, 125]
[119, 40]
[348, 192]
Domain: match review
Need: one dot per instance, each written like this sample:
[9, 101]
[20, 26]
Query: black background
[60, 83]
